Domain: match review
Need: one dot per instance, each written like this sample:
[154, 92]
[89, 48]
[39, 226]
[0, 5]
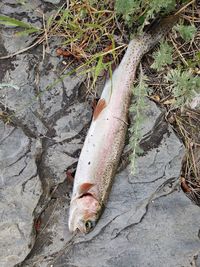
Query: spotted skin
[105, 140]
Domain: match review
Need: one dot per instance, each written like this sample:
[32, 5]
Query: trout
[105, 139]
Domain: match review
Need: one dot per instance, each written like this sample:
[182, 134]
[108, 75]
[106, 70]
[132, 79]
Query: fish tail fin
[152, 35]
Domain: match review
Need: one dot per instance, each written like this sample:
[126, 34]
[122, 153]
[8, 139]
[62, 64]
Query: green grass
[26, 28]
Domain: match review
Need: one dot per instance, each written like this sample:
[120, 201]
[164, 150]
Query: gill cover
[84, 210]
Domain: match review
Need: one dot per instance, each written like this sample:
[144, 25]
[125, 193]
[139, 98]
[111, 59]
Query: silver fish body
[105, 140]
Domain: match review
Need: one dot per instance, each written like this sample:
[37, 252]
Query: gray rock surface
[20, 190]
[147, 220]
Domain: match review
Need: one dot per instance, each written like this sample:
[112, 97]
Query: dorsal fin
[100, 106]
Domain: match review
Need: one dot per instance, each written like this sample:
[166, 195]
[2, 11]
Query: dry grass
[185, 121]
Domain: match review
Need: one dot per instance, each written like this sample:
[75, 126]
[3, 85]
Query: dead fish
[105, 139]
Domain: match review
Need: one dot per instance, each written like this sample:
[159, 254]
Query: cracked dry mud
[147, 221]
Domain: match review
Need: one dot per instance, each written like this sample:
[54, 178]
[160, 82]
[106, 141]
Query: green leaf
[186, 32]
[183, 85]
[163, 56]
[92, 26]
[26, 32]
[98, 69]
[138, 107]
[126, 7]
[5, 20]
[141, 11]
[162, 5]
[22, 2]
[50, 21]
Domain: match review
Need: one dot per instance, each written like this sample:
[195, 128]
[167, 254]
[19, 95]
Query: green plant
[138, 107]
[127, 8]
[28, 28]
[187, 32]
[141, 11]
[194, 61]
[183, 85]
[163, 56]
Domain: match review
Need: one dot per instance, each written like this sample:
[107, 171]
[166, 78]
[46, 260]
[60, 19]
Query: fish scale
[105, 139]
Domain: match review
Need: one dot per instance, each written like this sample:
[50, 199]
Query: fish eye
[88, 225]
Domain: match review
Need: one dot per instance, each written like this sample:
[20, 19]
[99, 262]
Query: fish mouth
[87, 195]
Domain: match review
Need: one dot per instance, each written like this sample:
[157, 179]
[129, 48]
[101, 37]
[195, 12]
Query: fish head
[84, 213]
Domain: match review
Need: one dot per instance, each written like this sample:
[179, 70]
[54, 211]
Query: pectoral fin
[100, 106]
